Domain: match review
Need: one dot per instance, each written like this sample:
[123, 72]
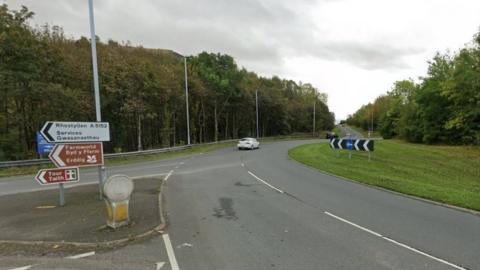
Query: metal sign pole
[186, 100]
[62, 194]
[256, 105]
[314, 118]
[350, 147]
[93, 41]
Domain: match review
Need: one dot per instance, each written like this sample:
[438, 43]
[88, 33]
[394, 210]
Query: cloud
[257, 33]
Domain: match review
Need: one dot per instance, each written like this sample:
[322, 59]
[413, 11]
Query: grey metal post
[186, 100]
[93, 42]
[256, 104]
[314, 118]
[62, 194]
[350, 148]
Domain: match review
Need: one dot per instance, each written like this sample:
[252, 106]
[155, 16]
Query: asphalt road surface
[258, 209]
[353, 133]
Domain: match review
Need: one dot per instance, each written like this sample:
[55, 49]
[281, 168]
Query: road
[348, 130]
[231, 209]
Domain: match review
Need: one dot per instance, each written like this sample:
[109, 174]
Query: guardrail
[30, 162]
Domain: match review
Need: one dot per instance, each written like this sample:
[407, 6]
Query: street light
[93, 42]
[186, 99]
[314, 118]
[256, 105]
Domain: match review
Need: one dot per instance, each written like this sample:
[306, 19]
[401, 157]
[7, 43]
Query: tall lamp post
[314, 118]
[256, 105]
[93, 42]
[186, 100]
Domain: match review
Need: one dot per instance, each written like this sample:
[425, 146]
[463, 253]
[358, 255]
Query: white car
[248, 143]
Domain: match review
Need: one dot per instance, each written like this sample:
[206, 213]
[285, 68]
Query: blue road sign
[43, 147]
[349, 144]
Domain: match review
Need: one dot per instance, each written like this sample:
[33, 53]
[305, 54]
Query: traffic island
[34, 223]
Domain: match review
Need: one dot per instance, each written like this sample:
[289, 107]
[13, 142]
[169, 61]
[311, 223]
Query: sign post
[77, 154]
[353, 144]
[93, 42]
[58, 176]
[43, 147]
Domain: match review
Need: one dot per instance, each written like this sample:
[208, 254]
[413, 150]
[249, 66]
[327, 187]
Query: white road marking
[243, 165]
[424, 254]
[145, 176]
[83, 255]
[353, 224]
[396, 242]
[22, 268]
[185, 245]
[160, 265]
[266, 183]
[168, 175]
[170, 252]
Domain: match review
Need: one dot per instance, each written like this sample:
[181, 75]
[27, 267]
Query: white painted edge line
[396, 242]
[23, 267]
[168, 175]
[353, 224]
[83, 255]
[170, 252]
[266, 183]
[148, 175]
[424, 254]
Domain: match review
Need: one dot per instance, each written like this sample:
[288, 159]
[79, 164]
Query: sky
[352, 50]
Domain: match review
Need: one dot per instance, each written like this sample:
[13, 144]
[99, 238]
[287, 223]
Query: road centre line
[170, 252]
[266, 183]
[83, 255]
[395, 242]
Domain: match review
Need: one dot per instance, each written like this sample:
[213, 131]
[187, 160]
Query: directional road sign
[71, 132]
[77, 155]
[59, 175]
[352, 144]
[43, 147]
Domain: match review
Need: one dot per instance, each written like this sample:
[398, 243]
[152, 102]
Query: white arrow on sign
[356, 145]
[332, 143]
[70, 132]
[340, 144]
[365, 145]
[55, 155]
[41, 177]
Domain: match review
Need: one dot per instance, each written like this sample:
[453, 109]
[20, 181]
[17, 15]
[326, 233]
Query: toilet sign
[57, 176]
[77, 155]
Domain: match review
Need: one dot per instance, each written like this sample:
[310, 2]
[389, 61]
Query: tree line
[46, 76]
[443, 107]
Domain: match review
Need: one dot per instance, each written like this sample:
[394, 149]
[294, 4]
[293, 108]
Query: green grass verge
[447, 174]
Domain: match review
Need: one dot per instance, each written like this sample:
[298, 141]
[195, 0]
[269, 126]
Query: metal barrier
[30, 162]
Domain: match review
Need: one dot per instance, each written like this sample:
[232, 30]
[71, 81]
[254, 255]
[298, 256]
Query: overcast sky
[352, 50]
